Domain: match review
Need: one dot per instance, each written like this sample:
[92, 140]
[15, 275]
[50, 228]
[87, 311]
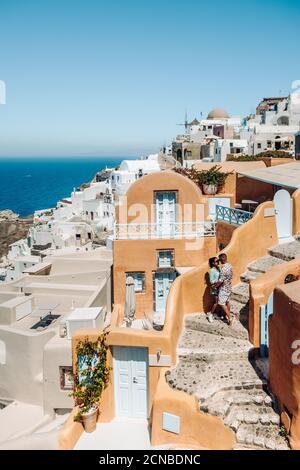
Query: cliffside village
[128, 253]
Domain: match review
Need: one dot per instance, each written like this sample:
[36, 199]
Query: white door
[216, 201]
[283, 213]
[163, 282]
[165, 213]
[131, 381]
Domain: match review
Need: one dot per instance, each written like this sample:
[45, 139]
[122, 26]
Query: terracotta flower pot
[89, 420]
[210, 189]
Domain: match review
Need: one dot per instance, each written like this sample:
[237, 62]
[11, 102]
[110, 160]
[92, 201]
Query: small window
[269, 144]
[89, 235]
[66, 377]
[165, 258]
[259, 146]
[139, 281]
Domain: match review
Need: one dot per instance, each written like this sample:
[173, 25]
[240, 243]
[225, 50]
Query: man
[225, 287]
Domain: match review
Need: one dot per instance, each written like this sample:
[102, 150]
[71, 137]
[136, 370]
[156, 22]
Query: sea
[30, 184]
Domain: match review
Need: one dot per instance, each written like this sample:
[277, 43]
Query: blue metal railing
[232, 216]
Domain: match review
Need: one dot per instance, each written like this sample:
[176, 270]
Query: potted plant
[212, 179]
[91, 378]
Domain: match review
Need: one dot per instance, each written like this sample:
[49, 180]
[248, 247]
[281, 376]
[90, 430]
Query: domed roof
[217, 113]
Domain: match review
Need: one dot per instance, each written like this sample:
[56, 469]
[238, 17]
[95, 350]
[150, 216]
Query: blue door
[265, 312]
[165, 202]
[163, 282]
[130, 366]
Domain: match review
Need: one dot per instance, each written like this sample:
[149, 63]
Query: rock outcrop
[12, 229]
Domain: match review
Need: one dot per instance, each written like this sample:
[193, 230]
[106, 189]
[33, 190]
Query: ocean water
[27, 185]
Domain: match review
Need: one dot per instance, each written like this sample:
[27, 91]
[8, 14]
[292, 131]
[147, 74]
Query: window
[89, 235]
[165, 258]
[66, 377]
[259, 146]
[139, 281]
[269, 144]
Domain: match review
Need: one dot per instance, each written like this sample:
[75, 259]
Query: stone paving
[286, 251]
[216, 363]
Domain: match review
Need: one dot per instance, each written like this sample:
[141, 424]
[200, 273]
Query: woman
[214, 276]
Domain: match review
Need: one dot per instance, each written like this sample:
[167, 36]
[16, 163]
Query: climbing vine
[92, 373]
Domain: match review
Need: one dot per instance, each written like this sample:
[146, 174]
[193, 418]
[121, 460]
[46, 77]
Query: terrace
[162, 231]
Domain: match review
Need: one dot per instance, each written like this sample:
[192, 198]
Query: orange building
[164, 228]
[163, 243]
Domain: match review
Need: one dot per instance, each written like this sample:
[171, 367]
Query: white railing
[180, 230]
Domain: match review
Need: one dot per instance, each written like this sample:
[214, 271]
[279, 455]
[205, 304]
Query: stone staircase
[216, 363]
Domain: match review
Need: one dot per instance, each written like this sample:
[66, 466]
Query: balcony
[180, 230]
[232, 216]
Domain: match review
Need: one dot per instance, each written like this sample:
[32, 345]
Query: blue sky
[92, 77]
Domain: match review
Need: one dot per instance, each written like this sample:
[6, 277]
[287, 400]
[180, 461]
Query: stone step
[262, 265]
[200, 346]
[261, 436]
[205, 379]
[198, 322]
[221, 403]
[240, 293]
[239, 309]
[251, 414]
[286, 251]
[249, 276]
[245, 447]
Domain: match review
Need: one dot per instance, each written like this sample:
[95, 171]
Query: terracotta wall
[143, 192]
[224, 232]
[260, 290]
[141, 255]
[296, 212]
[284, 357]
[197, 429]
[276, 161]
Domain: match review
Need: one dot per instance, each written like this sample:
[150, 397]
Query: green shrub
[214, 175]
[90, 382]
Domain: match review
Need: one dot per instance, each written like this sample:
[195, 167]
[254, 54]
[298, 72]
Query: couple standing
[221, 286]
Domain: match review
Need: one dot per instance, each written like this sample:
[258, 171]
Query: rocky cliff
[12, 229]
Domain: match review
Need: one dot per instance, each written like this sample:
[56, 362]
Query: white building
[225, 147]
[274, 126]
[131, 170]
[36, 315]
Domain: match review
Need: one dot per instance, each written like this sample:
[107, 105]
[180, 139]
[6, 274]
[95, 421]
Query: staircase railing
[232, 216]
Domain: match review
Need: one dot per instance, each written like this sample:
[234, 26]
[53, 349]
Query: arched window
[283, 121]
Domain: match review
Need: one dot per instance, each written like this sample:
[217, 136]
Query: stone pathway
[216, 364]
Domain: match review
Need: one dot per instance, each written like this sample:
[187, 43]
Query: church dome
[217, 113]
